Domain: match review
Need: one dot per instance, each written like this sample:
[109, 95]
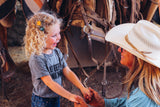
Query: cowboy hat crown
[141, 39]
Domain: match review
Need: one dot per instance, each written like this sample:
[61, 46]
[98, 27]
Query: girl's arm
[58, 88]
[71, 76]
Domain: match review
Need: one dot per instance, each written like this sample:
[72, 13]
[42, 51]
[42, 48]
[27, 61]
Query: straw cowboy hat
[141, 39]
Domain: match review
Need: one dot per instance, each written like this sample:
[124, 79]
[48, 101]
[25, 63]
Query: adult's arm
[116, 102]
[98, 101]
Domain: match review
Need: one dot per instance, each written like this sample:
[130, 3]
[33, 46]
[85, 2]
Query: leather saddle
[6, 20]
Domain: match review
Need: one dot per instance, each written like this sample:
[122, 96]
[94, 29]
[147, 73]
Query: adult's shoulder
[140, 99]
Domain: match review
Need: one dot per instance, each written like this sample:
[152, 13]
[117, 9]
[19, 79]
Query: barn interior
[83, 44]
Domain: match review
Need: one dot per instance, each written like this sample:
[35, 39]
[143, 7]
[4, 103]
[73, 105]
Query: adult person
[139, 45]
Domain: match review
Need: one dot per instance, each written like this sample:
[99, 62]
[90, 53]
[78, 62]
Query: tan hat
[141, 39]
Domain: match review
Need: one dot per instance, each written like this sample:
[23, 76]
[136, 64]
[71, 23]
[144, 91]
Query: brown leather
[159, 8]
[135, 11]
[128, 11]
[8, 20]
[7, 16]
[9, 66]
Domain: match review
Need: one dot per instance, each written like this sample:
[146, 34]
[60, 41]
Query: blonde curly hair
[36, 32]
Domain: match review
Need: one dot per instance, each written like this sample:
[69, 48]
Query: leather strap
[6, 8]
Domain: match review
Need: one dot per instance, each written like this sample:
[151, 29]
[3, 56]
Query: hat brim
[117, 36]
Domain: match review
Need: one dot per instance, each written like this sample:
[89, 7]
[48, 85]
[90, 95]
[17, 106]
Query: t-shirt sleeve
[116, 102]
[38, 67]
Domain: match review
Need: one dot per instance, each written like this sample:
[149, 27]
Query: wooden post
[153, 7]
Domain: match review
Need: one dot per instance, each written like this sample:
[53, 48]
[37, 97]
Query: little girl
[46, 62]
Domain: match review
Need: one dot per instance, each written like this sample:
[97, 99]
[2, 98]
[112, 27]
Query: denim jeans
[37, 101]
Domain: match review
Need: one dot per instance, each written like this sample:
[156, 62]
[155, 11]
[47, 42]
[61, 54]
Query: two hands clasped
[94, 99]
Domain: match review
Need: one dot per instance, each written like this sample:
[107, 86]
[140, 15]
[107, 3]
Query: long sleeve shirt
[137, 99]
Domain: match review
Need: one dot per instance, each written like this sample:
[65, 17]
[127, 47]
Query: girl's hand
[81, 102]
[73, 98]
[86, 93]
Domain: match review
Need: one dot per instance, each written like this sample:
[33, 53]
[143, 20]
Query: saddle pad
[31, 6]
[6, 7]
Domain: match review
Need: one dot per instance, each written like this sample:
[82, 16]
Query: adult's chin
[123, 62]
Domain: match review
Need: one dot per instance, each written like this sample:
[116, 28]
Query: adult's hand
[81, 102]
[96, 100]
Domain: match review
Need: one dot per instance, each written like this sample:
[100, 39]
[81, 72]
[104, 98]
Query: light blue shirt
[136, 99]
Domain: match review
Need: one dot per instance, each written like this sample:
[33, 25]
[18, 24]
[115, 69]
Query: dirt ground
[19, 89]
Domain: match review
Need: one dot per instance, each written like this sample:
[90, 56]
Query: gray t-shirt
[43, 65]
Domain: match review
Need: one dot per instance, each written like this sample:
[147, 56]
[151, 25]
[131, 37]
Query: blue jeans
[37, 101]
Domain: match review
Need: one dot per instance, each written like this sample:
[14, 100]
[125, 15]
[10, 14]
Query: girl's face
[53, 37]
[126, 58]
